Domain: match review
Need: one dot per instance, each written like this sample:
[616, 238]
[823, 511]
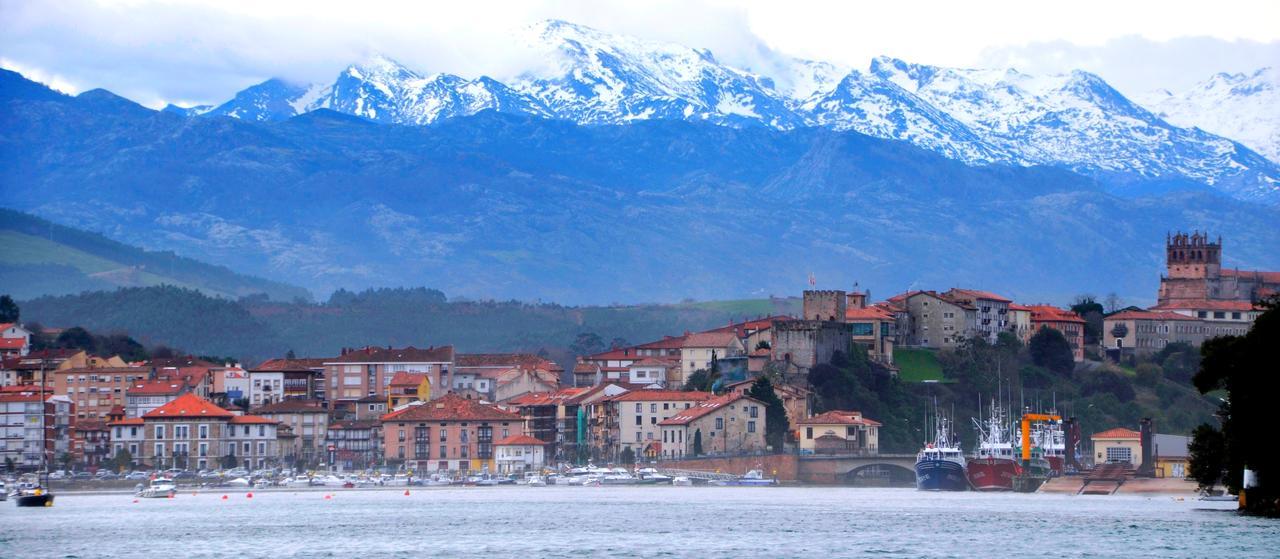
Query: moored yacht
[159, 488]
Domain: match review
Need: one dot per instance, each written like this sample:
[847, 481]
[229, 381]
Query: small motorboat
[536, 481]
[37, 497]
[681, 481]
[238, 482]
[159, 488]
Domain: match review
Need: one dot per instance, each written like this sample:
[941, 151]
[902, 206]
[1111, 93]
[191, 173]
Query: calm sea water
[581, 522]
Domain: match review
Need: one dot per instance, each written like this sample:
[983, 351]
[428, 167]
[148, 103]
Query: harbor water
[701, 522]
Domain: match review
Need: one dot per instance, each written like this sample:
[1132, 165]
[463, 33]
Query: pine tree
[776, 424]
[697, 442]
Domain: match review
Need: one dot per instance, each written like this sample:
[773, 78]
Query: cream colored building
[839, 432]
[1117, 446]
[638, 413]
[699, 349]
[727, 425]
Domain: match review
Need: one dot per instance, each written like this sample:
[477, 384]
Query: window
[808, 432]
[159, 432]
[751, 426]
[719, 423]
[204, 431]
[181, 432]
[463, 451]
[159, 450]
[639, 420]
[1119, 454]
[246, 448]
[638, 437]
[664, 405]
[653, 408]
[262, 449]
[444, 434]
[639, 407]
[754, 411]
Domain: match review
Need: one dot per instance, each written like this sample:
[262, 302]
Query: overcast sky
[191, 52]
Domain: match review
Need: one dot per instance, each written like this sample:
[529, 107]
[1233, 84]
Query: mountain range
[635, 171]
[516, 206]
[1075, 120]
[1245, 107]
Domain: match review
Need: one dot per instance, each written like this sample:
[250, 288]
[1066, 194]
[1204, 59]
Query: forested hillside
[254, 328]
[38, 257]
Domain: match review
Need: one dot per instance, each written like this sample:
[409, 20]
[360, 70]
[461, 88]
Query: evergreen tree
[1050, 349]
[1206, 451]
[1239, 365]
[776, 424]
[697, 442]
[9, 311]
[77, 338]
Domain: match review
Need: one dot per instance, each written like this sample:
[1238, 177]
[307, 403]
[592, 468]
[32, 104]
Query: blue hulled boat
[940, 465]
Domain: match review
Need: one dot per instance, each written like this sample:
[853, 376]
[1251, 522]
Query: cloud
[203, 51]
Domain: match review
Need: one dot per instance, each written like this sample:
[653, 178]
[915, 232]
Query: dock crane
[1024, 482]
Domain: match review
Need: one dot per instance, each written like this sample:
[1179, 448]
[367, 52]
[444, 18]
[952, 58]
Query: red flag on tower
[813, 282]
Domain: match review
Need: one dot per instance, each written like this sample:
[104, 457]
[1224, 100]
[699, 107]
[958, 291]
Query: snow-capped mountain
[1080, 121]
[588, 76]
[187, 111]
[601, 78]
[383, 90]
[1243, 107]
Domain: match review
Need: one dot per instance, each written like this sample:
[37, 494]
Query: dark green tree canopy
[1050, 349]
[776, 424]
[9, 311]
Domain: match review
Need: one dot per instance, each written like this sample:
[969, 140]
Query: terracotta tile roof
[90, 425]
[12, 343]
[1017, 307]
[685, 416]
[1148, 315]
[498, 360]
[614, 354]
[405, 379]
[187, 361]
[870, 313]
[442, 354]
[547, 398]
[839, 417]
[129, 421]
[355, 424]
[586, 368]
[710, 339]
[976, 294]
[290, 406]
[285, 364]
[654, 395]
[1050, 313]
[519, 440]
[671, 361]
[1208, 305]
[188, 405]
[251, 420]
[1117, 433]
[451, 407]
[6, 325]
[1267, 277]
[156, 388]
[667, 342]
[902, 297]
[20, 396]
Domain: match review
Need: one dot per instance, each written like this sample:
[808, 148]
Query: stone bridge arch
[879, 474]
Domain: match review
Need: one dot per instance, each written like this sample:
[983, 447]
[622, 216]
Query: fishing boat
[753, 478]
[159, 488]
[940, 465]
[1052, 442]
[994, 464]
[619, 476]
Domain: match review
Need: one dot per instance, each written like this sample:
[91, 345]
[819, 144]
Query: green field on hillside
[917, 365]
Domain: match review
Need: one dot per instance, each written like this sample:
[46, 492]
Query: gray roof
[1171, 446]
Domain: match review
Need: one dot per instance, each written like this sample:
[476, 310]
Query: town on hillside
[695, 401]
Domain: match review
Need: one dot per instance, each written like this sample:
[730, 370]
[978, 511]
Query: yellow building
[1172, 458]
[839, 432]
[1117, 446]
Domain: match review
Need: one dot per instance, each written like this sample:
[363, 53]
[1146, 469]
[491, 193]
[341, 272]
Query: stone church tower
[1194, 274]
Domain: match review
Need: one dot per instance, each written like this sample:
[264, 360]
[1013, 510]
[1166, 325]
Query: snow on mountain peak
[1242, 106]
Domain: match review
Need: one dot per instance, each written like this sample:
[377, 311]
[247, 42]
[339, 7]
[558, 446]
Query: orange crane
[1027, 418]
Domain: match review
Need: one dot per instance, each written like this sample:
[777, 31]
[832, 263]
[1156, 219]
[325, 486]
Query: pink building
[358, 373]
[1067, 322]
[447, 434]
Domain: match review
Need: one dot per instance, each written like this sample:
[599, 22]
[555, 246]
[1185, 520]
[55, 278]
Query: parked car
[105, 476]
[80, 476]
[138, 476]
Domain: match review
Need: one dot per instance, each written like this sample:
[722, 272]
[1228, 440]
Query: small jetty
[1105, 479]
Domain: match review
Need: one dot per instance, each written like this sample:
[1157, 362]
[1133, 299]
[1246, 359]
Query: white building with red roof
[633, 417]
[191, 432]
[725, 425]
[21, 439]
[15, 341]
[520, 453]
